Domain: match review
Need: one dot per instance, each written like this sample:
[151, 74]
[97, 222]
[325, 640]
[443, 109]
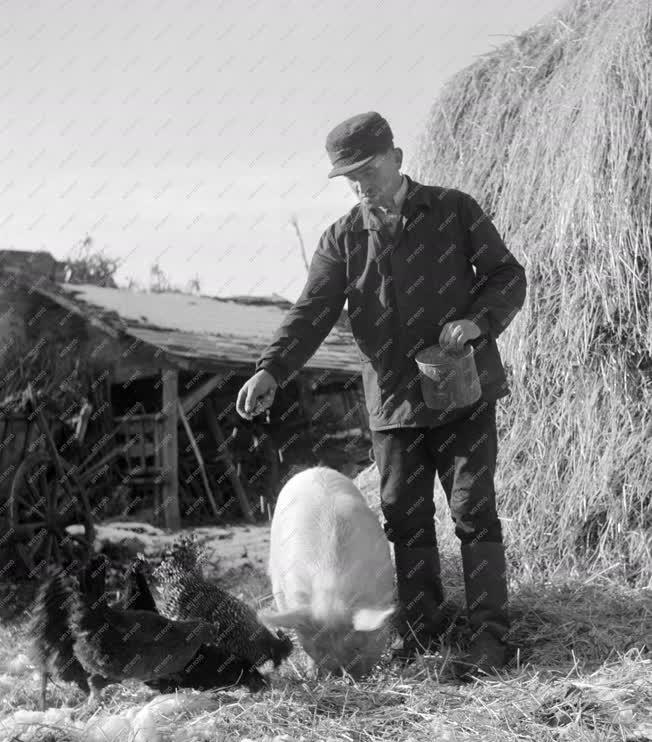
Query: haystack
[552, 134]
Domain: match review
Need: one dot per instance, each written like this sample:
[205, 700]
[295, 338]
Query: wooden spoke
[48, 547]
[44, 485]
[57, 550]
[37, 546]
[60, 493]
[25, 555]
[68, 487]
[28, 505]
[68, 513]
[29, 489]
[35, 491]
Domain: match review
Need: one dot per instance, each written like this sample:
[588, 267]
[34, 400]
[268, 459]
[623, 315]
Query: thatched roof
[552, 134]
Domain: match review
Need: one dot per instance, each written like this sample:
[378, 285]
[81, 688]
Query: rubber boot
[422, 616]
[485, 584]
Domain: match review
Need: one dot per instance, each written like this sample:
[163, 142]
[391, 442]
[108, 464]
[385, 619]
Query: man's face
[375, 183]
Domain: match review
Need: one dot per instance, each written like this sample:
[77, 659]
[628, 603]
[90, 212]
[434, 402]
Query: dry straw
[551, 133]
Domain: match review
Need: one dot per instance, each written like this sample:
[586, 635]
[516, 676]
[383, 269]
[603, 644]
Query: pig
[331, 572]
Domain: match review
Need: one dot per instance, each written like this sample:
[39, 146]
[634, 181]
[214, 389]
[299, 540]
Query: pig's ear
[295, 619]
[370, 619]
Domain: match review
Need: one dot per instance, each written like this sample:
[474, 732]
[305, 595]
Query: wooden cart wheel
[42, 504]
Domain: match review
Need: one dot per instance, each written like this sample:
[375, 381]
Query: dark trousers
[463, 454]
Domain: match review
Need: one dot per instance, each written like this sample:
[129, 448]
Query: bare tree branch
[295, 223]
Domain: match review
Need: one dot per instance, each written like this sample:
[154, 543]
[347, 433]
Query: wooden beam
[135, 353]
[195, 397]
[170, 450]
[127, 373]
[211, 417]
[200, 460]
[179, 361]
[246, 368]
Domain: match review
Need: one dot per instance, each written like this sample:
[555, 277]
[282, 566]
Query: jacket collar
[361, 219]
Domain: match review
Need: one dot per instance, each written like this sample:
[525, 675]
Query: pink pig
[331, 572]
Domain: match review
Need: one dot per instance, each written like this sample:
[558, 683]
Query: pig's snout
[371, 619]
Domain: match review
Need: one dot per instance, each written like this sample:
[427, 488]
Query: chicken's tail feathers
[52, 632]
[50, 619]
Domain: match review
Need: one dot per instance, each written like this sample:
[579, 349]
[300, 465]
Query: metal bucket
[449, 379]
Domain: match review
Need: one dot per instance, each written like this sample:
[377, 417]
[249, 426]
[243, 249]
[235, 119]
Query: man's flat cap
[356, 141]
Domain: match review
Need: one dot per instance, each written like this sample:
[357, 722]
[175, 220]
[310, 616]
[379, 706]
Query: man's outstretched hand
[256, 395]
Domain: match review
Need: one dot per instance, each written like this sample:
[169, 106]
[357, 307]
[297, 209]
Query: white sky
[188, 133]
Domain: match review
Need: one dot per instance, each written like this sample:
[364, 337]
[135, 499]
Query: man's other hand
[455, 334]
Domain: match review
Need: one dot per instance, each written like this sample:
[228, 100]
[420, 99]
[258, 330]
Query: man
[419, 265]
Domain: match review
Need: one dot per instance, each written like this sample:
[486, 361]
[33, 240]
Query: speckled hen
[212, 667]
[185, 593]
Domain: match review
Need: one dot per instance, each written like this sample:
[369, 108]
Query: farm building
[158, 374]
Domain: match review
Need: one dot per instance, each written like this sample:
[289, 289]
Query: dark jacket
[401, 291]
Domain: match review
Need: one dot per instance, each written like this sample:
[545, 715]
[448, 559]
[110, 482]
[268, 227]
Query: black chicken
[212, 667]
[51, 633]
[137, 595]
[113, 644]
[185, 593]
